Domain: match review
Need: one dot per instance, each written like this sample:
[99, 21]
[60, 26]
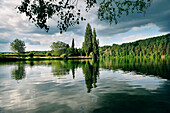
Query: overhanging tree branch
[68, 14]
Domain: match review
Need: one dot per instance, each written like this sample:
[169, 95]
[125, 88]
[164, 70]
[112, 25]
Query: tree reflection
[91, 71]
[31, 64]
[147, 66]
[60, 68]
[18, 73]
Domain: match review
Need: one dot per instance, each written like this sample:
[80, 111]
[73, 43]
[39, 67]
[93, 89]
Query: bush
[31, 54]
[69, 55]
[48, 54]
[63, 55]
[91, 54]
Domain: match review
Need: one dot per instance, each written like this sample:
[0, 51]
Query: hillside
[155, 47]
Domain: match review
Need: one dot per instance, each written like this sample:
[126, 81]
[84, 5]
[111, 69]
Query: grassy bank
[5, 59]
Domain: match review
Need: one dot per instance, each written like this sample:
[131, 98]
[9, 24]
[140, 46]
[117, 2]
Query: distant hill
[155, 46]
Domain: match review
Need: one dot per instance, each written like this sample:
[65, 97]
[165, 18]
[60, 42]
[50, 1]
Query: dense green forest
[151, 47]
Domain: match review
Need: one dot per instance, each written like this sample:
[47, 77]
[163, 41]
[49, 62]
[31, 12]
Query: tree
[151, 47]
[68, 14]
[95, 45]
[59, 47]
[72, 46]
[87, 44]
[72, 43]
[18, 46]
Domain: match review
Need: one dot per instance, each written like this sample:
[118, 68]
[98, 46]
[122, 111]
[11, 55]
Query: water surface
[107, 86]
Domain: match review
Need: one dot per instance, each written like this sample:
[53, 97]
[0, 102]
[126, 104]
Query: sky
[155, 22]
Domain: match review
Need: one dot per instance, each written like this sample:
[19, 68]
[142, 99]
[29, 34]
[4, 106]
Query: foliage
[18, 46]
[110, 10]
[68, 14]
[152, 47]
[59, 47]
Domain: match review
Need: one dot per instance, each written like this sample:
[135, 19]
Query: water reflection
[18, 73]
[91, 71]
[156, 67]
[119, 89]
[60, 68]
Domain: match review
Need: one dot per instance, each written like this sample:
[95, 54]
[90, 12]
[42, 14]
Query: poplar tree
[95, 45]
[72, 46]
[87, 44]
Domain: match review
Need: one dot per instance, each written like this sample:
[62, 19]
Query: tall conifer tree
[95, 45]
[72, 46]
[87, 44]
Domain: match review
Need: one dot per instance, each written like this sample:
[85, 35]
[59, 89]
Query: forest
[151, 47]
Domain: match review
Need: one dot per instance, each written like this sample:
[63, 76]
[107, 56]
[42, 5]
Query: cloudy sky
[130, 28]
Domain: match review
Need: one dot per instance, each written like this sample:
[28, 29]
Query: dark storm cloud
[36, 30]
[158, 13]
[77, 29]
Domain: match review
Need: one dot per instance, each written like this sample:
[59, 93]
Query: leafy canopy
[59, 45]
[18, 46]
[68, 14]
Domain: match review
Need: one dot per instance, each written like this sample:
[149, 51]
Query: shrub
[63, 55]
[91, 54]
[48, 54]
[31, 54]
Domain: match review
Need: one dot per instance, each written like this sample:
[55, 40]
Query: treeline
[90, 46]
[151, 47]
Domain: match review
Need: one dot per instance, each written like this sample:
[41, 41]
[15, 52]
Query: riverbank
[5, 59]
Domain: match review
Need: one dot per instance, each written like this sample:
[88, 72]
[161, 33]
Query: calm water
[108, 86]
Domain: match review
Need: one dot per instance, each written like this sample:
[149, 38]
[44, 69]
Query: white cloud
[150, 25]
[132, 38]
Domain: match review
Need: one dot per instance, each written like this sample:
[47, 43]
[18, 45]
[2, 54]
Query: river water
[85, 86]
